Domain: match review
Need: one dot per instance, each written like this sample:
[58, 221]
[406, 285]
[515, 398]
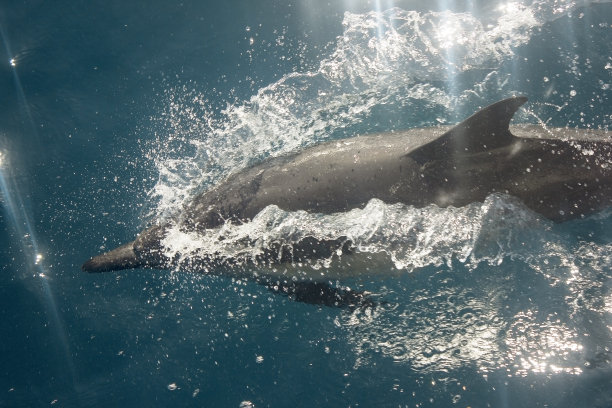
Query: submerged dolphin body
[558, 173]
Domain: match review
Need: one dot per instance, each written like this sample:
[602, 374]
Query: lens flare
[16, 210]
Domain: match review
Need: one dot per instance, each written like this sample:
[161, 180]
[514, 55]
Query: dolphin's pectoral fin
[321, 294]
[485, 130]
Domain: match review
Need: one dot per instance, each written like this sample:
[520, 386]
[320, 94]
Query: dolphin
[559, 173]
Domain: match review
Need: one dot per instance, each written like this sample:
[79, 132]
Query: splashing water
[407, 237]
[387, 59]
[528, 317]
[383, 59]
[395, 60]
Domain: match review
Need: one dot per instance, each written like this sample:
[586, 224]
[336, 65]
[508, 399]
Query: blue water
[112, 114]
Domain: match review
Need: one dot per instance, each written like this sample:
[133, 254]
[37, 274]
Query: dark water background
[85, 90]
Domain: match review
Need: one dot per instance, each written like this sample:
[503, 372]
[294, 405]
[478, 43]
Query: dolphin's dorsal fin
[486, 129]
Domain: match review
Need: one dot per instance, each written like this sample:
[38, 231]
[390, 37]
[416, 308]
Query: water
[112, 115]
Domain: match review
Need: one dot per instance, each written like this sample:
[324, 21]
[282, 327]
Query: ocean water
[114, 114]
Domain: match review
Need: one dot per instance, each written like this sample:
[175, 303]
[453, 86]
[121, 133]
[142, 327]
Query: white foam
[399, 237]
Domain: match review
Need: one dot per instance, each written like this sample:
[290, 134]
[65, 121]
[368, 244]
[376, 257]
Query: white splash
[406, 237]
[393, 59]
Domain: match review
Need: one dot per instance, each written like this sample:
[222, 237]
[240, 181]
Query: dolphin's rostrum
[558, 173]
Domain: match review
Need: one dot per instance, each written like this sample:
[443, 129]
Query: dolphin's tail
[123, 257]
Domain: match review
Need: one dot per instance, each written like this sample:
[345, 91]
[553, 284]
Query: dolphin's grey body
[558, 173]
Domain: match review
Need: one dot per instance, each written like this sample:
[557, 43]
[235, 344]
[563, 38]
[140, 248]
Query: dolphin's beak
[118, 258]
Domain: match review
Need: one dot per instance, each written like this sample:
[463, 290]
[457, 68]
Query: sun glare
[508, 7]
[448, 35]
